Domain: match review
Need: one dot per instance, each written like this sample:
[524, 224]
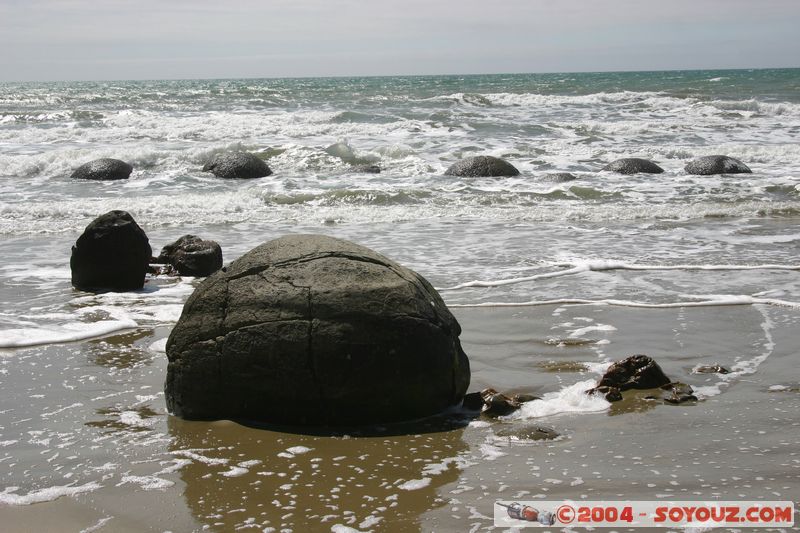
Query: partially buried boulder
[112, 254]
[103, 169]
[192, 256]
[633, 165]
[308, 329]
[716, 164]
[237, 165]
[481, 166]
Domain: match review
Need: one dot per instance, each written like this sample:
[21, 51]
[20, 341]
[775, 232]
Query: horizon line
[350, 76]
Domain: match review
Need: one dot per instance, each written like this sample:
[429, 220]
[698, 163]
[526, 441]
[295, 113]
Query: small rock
[524, 398]
[481, 166]
[473, 401]
[710, 369]
[497, 404]
[633, 165]
[526, 433]
[716, 164]
[634, 372]
[103, 169]
[237, 165]
[611, 394]
[678, 393]
[192, 256]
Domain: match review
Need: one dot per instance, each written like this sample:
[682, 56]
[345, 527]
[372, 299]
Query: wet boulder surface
[633, 165]
[237, 165]
[481, 166]
[112, 254]
[192, 256]
[103, 169]
[716, 164]
[313, 330]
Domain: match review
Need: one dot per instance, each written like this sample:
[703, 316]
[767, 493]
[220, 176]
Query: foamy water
[567, 276]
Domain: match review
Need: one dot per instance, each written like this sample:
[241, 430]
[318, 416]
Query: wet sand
[93, 412]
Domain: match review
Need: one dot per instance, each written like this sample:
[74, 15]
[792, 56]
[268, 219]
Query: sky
[54, 40]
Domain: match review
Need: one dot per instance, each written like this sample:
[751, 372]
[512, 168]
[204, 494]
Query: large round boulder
[308, 329]
[481, 166]
[633, 165]
[112, 254]
[716, 164]
[237, 165]
[192, 256]
[103, 169]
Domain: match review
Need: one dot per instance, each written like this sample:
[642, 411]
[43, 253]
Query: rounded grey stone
[310, 330]
[481, 166]
[633, 165]
[716, 164]
[192, 256]
[103, 169]
[237, 165]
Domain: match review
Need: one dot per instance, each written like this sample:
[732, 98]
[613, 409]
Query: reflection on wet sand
[237, 476]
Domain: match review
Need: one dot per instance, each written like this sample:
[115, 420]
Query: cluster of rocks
[226, 165]
[313, 330]
[114, 254]
[244, 165]
[488, 166]
[640, 372]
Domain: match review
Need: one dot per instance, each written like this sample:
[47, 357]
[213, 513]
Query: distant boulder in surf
[633, 165]
[716, 164]
[481, 166]
[112, 254]
[365, 169]
[558, 177]
[310, 330]
[237, 165]
[192, 256]
[103, 169]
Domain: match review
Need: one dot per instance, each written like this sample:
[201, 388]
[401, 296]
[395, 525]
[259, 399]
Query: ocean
[551, 281]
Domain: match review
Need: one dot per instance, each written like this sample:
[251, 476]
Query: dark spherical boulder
[310, 330]
[716, 164]
[192, 256]
[634, 372]
[633, 165]
[481, 166]
[112, 254]
[103, 169]
[237, 165]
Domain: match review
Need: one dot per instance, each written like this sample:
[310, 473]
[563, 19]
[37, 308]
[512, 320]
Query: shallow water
[550, 283]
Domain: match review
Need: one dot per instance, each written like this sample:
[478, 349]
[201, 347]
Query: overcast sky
[155, 39]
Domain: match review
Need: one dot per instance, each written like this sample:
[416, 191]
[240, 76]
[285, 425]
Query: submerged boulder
[558, 177]
[237, 165]
[633, 165]
[308, 329]
[365, 169]
[113, 253]
[481, 166]
[716, 164]
[192, 256]
[103, 169]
